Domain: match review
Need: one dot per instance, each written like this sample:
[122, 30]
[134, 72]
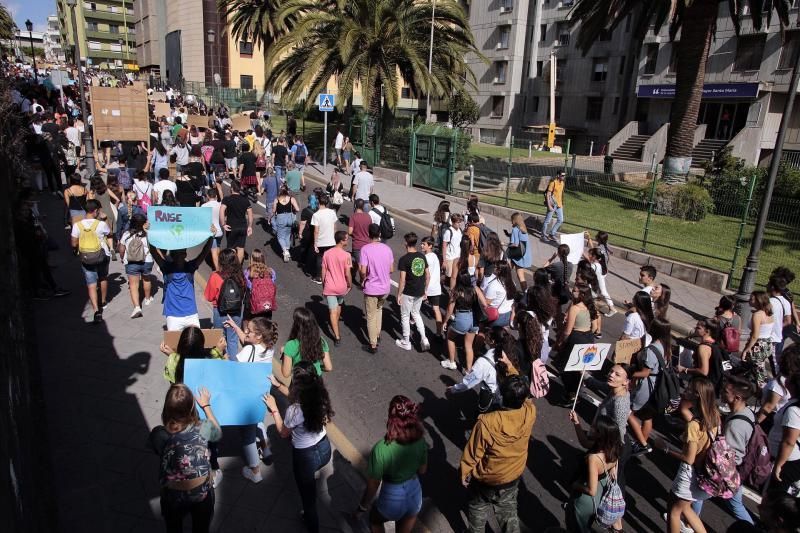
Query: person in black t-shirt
[229, 152]
[236, 218]
[280, 155]
[414, 277]
[248, 174]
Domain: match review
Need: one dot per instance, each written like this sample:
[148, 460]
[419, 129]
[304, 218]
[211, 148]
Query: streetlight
[29, 25]
[211, 34]
[430, 62]
[87, 137]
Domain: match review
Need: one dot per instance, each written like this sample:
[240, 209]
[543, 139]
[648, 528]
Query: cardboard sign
[624, 350]
[587, 357]
[198, 121]
[120, 113]
[162, 109]
[575, 243]
[240, 123]
[210, 338]
[177, 228]
[236, 388]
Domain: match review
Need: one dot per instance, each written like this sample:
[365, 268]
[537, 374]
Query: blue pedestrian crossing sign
[327, 102]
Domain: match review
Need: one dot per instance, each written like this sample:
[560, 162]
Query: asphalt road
[361, 386]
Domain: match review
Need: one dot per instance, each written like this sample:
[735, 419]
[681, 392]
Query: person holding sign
[581, 323]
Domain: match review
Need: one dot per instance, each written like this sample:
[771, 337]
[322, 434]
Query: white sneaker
[286, 257]
[447, 363]
[425, 345]
[610, 313]
[255, 478]
[217, 478]
[404, 344]
[137, 312]
[148, 301]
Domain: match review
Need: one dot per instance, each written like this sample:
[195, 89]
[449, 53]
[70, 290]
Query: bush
[688, 201]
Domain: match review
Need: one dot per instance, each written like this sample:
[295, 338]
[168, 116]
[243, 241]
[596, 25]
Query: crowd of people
[498, 319]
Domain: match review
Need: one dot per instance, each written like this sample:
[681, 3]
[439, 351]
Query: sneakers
[255, 477]
[98, 317]
[598, 335]
[217, 478]
[611, 313]
[684, 527]
[61, 292]
[137, 312]
[448, 364]
[640, 449]
[403, 343]
[148, 301]
[286, 256]
[425, 345]
[318, 281]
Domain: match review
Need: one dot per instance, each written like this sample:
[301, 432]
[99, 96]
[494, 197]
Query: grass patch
[709, 243]
[501, 152]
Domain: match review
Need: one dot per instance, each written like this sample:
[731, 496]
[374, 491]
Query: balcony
[109, 36]
[106, 16]
[108, 54]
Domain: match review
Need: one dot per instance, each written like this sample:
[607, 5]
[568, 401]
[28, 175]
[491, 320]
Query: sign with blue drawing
[236, 388]
[587, 357]
[327, 102]
[175, 228]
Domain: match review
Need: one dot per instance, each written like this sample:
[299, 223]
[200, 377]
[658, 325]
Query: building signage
[710, 90]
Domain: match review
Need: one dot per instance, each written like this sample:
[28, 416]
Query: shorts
[216, 242]
[399, 500]
[463, 323]
[230, 163]
[503, 320]
[334, 301]
[684, 486]
[356, 255]
[94, 273]
[138, 268]
[178, 323]
[434, 300]
[647, 412]
[236, 238]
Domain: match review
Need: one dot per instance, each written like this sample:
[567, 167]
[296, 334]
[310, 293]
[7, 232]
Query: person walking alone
[554, 198]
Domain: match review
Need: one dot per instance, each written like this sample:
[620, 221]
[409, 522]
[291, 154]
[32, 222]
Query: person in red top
[358, 229]
[230, 305]
[337, 279]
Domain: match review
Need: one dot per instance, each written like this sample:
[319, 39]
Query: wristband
[204, 406]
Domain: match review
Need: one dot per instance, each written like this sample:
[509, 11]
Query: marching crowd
[500, 320]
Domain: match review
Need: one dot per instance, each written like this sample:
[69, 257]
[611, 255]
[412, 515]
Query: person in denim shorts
[395, 464]
[464, 324]
[135, 268]
[96, 274]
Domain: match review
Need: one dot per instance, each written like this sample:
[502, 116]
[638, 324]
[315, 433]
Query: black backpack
[665, 396]
[300, 154]
[484, 236]
[231, 298]
[387, 228]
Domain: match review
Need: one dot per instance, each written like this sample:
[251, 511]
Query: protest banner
[575, 243]
[120, 113]
[176, 228]
[161, 109]
[624, 350]
[198, 121]
[240, 123]
[587, 357]
[236, 388]
[210, 338]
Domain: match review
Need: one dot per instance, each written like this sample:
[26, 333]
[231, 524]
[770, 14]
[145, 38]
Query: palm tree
[253, 20]
[697, 20]
[7, 26]
[374, 45]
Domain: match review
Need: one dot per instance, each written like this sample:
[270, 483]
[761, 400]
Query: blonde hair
[258, 264]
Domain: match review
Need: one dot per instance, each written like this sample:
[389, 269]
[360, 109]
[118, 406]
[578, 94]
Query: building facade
[106, 35]
[53, 51]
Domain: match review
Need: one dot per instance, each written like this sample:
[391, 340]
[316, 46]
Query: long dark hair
[563, 252]
[606, 438]
[504, 343]
[662, 303]
[464, 292]
[540, 302]
[403, 424]
[306, 330]
[442, 213]
[191, 345]
[138, 221]
[595, 253]
[160, 148]
[661, 330]
[492, 248]
[168, 199]
[585, 297]
[308, 389]
[587, 274]
[97, 185]
[644, 306]
[229, 266]
[466, 252]
[530, 334]
[503, 273]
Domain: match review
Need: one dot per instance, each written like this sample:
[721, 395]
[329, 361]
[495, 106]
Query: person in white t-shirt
[363, 183]
[783, 441]
[324, 224]
[497, 290]
[451, 242]
[135, 252]
[96, 273]
[164, 185]
[216, 243]
[338, 144]
[433, 291]
[781, 316]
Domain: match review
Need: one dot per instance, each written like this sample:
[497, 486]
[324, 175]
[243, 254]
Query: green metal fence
[627, 200]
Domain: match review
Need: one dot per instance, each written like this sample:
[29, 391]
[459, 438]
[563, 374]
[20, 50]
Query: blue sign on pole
[710, 90]
[327, 102]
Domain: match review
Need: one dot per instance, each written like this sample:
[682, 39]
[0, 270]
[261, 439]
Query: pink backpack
[540, 380]
[146, 200]
[262, 295]
[719, 477]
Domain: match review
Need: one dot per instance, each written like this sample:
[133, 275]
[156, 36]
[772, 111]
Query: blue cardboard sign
[710, 90]
[236, 388]
[327, 102]
[176, 228]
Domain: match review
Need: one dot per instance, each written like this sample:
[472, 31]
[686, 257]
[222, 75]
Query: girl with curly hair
[305, 344]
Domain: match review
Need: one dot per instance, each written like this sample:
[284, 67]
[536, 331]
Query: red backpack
[730, 337]
[263, 295]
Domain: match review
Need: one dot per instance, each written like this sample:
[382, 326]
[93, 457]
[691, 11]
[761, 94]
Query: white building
[53, 51]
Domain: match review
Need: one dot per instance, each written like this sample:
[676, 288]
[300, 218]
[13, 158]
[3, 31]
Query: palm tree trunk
[373, 123]
[631, 66]
[696, 34]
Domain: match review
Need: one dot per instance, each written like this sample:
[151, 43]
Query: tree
[254, 20]
[697, 20]
[373, 45]
[7, 25]
[463, 110]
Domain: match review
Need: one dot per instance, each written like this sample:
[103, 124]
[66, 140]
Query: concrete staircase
[482, 181]
[631, 149]
[704, 150]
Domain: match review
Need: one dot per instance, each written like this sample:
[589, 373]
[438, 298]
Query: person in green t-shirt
[294, 178]
[394, 465]
[305, 344]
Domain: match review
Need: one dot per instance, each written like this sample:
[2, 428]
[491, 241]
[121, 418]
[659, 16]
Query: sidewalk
[689, 303]
[103, 393]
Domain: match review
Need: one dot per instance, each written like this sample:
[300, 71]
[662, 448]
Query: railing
[631, 128]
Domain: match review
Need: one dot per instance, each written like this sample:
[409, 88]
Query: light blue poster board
[236, 388]
[175, 228]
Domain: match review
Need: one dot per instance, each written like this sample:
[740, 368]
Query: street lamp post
[211, 34]
[87, 137]
[751, 266]
[430, 63]
[29, 25]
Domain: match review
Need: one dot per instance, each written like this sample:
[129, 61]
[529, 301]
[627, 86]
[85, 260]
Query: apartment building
[106, 35]
[53, 51]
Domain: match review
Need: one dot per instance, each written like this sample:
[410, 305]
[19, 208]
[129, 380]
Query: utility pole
[29, 26]
[430, 64]
[751, 266]
[91, 168]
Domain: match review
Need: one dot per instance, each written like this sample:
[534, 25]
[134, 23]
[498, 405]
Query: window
[112, 9]
[91, 26]
[405, 92]
[563, 35]
[599, 69]
[621, 65]
[94, 45]
[246, 81]
[594, 108]
[504, 34]
[506, 6]
[543, 32]
[539, 68]
[749, 51]
[561, 67]
[673, 59]
[113, 28]
[535, 107]
[93, 6]
[245, 48]
[498, 103]
[616, 105]
[116, 47]
[651, 57]
[500, 69]
[791, 47]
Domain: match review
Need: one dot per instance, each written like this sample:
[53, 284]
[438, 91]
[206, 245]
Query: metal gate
[432, 158]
